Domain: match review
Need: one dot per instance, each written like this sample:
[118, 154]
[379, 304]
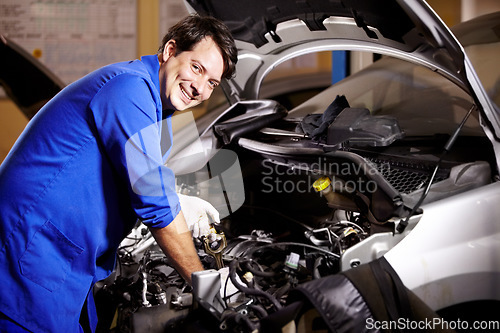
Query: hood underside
[251, 21]
[409, 26]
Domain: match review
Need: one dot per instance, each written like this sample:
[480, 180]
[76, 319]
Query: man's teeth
[186, 94]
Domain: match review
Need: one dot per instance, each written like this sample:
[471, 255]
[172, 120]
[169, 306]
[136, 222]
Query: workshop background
[74, 37]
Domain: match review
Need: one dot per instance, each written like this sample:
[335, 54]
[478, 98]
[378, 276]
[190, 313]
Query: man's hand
[196, 212]
[176, 242]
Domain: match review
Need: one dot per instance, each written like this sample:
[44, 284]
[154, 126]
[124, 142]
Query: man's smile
[186, 94]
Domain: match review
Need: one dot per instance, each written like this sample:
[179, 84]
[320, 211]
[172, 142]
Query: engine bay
[307, 209]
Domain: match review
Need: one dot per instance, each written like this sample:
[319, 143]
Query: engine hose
[255, 249]
[156, 262]
[282, 290]
[258, 272]
[317, 263]
[259, 310]
[145, 301]
[250, 291]
[313, 239]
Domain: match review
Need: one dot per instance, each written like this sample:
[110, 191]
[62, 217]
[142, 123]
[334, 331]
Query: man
[90, 164]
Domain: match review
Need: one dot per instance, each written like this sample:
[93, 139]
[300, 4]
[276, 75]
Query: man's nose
[199, 86]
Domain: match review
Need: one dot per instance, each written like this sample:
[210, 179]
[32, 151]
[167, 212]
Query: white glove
[196, 212]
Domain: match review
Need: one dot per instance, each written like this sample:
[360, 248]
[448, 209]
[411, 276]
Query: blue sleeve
[127, 115]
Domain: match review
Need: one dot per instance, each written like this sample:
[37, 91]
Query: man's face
[189, 78]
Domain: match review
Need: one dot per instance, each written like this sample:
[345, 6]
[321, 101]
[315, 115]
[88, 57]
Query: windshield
[424, 102]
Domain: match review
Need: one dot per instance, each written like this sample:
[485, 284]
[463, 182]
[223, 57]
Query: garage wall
[448, 10]
[474, 8]
[12, 121]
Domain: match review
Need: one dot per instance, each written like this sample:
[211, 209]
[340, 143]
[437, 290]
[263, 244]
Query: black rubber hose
[250, 291]
[259, 310]
[258, 272]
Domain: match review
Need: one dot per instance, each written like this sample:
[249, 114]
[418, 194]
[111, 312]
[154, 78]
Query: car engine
[248, 276]
[308, 212]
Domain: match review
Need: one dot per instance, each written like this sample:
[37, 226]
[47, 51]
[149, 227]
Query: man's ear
[169, 49]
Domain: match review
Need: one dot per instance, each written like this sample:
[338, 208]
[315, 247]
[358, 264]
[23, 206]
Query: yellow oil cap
[321, 183]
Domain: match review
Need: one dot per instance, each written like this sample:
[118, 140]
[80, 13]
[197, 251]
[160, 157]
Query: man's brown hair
[194, 28]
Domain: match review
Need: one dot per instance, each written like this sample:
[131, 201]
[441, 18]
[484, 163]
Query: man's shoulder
[128, 77]
[127, 69]
[127, 83]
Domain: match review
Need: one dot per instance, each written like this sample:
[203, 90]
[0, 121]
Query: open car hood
[268, 33]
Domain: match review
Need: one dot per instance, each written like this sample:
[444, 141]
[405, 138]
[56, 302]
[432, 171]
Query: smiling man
[88, 166]
[190, 77]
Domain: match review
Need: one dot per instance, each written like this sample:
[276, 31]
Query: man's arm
[177, 243]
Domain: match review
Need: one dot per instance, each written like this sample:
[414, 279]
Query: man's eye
[196, 68]
[212, 84]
